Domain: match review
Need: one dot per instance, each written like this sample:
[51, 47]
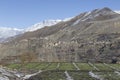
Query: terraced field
[72, 71]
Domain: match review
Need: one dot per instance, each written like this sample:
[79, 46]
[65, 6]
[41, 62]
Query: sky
[24, 13]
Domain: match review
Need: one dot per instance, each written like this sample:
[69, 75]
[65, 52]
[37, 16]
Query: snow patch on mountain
[92, 15]
[46, 23]
[67, 19]
[42, 24]
[6, 32]
[117, 12]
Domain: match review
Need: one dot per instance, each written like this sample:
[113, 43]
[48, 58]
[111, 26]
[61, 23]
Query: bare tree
[26, 57]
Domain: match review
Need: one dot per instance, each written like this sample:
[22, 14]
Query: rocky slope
[7, 33]
[91, 36]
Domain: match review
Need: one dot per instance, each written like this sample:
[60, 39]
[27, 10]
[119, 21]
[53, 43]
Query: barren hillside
[91, 36]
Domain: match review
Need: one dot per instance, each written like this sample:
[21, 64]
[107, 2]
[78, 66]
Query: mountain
[42, 24]
[81, 24]
[45, 23]
[117, 12]
[6, 32]
[10, 32]
[90, 36]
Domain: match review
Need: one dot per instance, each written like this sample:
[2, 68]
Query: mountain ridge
[88, 37]
[16, 31]
[7, 32]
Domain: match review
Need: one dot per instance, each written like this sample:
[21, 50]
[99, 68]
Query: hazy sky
[24, 13]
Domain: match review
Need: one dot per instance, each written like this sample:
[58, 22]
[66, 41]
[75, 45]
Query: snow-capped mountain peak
[46, 23]
[96, 14]
[42, 24]
[117, 11]
[6, 32]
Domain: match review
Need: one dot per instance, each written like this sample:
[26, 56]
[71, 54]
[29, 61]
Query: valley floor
[67, 71]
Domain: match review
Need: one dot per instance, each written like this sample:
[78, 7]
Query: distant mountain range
[42, 24]
[117, 12]
[89, 36]
[6, 32]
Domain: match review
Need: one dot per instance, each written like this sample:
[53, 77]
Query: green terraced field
[80, 76]
[66, 66]
[117, 66]
[56, 71]
[102, 67]
[14, 66]
[31, 65]
[108, 75]
[42, 66]
[52, 66]
[51, 75]
[85, 66]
